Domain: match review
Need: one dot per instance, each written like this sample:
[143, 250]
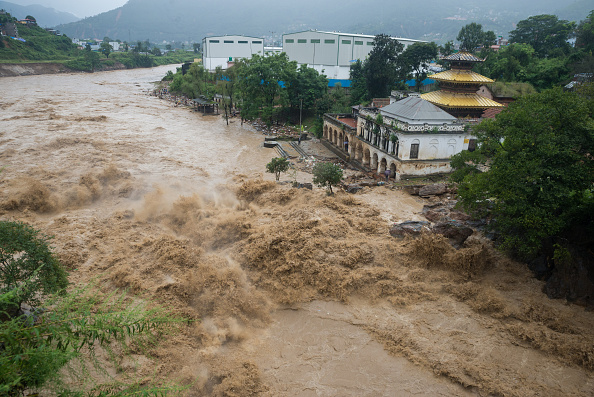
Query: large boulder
[454, 231]
[433, 190]
[409, 228]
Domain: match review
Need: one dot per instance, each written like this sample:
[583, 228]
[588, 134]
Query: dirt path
[297, 293]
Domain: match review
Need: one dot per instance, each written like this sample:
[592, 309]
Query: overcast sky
[80, 8]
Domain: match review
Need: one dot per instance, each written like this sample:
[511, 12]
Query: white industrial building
[331, 53]
[222, 50]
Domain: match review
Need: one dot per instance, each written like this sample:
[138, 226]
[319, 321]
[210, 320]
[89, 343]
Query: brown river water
[296, 293]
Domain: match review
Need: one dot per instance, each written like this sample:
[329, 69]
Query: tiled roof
[463, 56]
[415, 110]
[451, 100]
[461, 76]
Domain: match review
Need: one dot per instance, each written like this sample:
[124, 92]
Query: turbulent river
[296, 293]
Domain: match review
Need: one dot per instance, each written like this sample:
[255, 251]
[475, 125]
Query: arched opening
[359, 152]
[346, 144]
[374, 161]
[340, 140]
[326, 132]
[383, 165]
[335, 137]
[366, 157]
[393, 169]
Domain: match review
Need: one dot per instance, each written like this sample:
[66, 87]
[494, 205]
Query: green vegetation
[538, 184]
[327, 175]
[56, 340]
[277, 165]
[42, 46]
[473, 36]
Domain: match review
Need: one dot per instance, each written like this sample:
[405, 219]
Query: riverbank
[294, 292]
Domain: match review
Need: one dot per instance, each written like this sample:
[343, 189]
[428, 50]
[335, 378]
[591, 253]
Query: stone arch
[393, 169]
[335, 137]
[346, 143]
[326, 132]
[359, 152]
[374, 161]
[340, 140]
[383, 165]
[366, 157]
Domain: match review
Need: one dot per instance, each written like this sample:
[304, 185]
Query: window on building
[346, 42]
[228, 41]
[358, 42]
[213, 41]
[242, 42]
[257, 42]
[315, 41]
[370, 43]
[289, 41]
[301, 41]
[329, 41]
[414, 151]
[471, 145]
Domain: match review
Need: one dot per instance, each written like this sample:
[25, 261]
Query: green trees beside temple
[532, 174]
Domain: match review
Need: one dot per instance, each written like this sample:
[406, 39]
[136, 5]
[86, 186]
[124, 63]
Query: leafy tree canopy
[472, 36]
[28, 268]
[585, 33]
[545, 33]
[277, 165]
[538, 185]
[381, 68]
[327, 175]
[417, 57]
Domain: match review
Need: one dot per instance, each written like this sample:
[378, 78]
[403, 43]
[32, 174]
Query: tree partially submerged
[277, 165]
[327, 175]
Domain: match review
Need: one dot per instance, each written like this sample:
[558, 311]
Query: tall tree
[358, 83]
[447, 48]
[305, 87]
[261, 82]
[106, 48]
[547, 34]
[417, 57]
[585, 33]
[472, 36]
[382, 69]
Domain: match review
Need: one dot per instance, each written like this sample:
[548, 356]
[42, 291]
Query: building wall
[434, 150]
[218, 50]
[330, 52]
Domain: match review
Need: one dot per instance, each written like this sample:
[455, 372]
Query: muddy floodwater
[296, 293]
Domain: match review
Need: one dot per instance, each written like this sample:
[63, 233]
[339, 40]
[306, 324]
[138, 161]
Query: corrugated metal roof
[461, 76]
[415, 110]
[364, 36]
[451, 100]
[463, 56]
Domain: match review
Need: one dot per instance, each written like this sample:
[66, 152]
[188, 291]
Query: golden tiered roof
[457, 100]
[463, 56]
[461, 76]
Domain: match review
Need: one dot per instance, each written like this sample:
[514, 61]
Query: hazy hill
[46, 17]
[191, 20]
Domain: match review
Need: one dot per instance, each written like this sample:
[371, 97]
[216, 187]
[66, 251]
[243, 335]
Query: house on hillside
[410, 137]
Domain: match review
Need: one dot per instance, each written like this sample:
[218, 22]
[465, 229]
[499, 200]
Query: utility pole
[300, 110]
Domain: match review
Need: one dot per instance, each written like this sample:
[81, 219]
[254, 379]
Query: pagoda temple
[458, 88]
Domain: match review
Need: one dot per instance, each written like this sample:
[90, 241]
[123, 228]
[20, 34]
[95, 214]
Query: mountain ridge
[186, 20]
[46, 16]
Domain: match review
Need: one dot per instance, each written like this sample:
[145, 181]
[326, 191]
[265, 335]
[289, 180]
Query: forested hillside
[187, 20]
